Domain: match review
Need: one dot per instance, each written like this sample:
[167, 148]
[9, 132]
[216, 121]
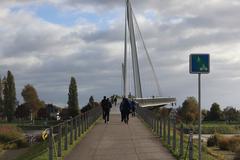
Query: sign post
[199, 64]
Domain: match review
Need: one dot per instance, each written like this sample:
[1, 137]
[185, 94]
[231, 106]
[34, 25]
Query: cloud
[46, 54]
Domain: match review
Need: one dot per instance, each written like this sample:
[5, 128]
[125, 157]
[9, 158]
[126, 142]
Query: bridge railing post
[181, 140]
[164, 128]
[160, 132]
[153, 124]
[82, 124]
[157, 127]
[87, 120]
[60, 140]
[50, 141]
[174, 134]
[66, 135]
[84, 121]
[169, 132]
[75, 128]
[71, 131]
[190, 145]
[79, 127]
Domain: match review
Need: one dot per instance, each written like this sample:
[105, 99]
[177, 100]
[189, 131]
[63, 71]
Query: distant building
[53, 112]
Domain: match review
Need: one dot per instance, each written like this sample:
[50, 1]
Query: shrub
[224, 143]
[213, 140]
[230, 143]
[12, 137]
[237, 156]
[234, 143]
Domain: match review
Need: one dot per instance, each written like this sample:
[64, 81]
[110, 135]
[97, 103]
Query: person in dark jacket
[107, 110]
[105, 105]
[115, 101]
[133, 107]
[125, 110]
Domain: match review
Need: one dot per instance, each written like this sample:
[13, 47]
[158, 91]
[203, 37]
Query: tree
[215, 112]
[9, 93]
[230, 114]
[73, 108]
[189, 110]
[23, 111]
[31, 99]
[205, 114]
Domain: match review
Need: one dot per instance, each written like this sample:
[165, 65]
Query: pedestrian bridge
[155, 102]
[119, 141]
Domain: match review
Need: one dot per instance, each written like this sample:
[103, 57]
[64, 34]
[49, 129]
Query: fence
[171, 135]
[64, 134]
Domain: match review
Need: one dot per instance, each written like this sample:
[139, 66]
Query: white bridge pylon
[130, 33]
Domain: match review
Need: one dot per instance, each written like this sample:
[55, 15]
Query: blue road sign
[199, 63]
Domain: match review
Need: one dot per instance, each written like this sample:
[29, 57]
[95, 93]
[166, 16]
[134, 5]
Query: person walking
[115, 101]
[104, 104]
[133, 107]
[107, 110]
[125, 110]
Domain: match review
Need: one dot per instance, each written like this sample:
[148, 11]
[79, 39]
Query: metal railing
[167, 130]
[61, 136]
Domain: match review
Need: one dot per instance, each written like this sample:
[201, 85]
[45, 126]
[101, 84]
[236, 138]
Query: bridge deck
[119, 141]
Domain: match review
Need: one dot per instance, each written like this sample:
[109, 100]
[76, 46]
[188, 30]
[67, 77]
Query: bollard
[66, 136]
[190, 145]
[174, 134]
[181, 141]
[50, 142]
[71, 131]
[169, 134]
[60, 140]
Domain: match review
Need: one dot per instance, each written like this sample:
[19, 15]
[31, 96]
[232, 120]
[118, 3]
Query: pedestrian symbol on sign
[199, 63]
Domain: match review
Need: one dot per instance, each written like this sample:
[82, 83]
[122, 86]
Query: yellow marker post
[45, 134]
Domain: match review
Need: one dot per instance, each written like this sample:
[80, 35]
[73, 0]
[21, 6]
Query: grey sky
[41, 47]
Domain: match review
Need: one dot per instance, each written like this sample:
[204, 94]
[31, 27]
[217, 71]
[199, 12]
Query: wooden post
[60, 140]
[66, 136]
[50, 142]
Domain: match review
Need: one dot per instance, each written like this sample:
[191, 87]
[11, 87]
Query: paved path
[119, 141]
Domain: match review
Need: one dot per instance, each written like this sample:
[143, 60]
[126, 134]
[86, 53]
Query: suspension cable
[148, 56]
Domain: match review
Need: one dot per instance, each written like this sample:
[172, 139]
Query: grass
[218, 127]
[206, 153]
[40, 151]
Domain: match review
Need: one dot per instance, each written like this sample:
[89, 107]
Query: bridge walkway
[119, 141]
